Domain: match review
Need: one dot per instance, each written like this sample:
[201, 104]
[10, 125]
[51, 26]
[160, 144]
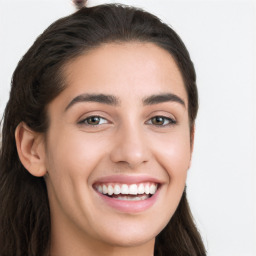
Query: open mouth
[127, 192]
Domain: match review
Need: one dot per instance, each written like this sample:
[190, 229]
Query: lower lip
[130, 206]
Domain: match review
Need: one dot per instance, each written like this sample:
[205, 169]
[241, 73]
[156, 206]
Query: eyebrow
[101, 98]
[161, 98]
[114, 101]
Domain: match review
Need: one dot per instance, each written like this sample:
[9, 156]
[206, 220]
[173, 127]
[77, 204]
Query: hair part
[25, 215]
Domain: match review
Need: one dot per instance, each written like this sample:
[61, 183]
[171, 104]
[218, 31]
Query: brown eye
[161, 121]
[94, 120]
[158, 120]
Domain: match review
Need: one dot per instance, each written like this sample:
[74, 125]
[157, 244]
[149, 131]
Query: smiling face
[117, 148]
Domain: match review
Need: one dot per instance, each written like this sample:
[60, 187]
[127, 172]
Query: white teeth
[124, 189]
[152, 189]
[147, 189]
[105, 189]
[110, 190]
[133, 189]
[128, 198]
[141, 189]
[117, 189]
[100, 189]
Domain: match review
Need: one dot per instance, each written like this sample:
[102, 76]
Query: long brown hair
[25, 215]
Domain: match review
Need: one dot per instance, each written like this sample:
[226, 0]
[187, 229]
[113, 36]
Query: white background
[220, 35]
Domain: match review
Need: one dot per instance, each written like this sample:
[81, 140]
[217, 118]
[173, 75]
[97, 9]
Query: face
[118, 146]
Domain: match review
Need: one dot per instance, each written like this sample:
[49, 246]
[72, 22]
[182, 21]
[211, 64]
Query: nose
[131, 147]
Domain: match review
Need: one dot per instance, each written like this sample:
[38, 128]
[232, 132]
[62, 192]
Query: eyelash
[166, 121]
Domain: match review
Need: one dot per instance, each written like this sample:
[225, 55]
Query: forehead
[130, 69]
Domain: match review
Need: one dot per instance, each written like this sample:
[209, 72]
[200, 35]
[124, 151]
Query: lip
[123, 206]
[128, 179]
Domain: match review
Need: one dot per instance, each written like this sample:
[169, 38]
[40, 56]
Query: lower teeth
[131, 198]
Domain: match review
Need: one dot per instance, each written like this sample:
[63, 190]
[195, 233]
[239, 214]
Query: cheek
[72, 157]
[74, 152]
[174, 152]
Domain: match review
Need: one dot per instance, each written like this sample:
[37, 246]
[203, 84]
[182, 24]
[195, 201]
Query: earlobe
[31, 151]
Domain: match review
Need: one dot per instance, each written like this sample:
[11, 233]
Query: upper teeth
[133, 189]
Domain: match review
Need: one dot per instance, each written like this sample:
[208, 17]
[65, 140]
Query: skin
[73, 154]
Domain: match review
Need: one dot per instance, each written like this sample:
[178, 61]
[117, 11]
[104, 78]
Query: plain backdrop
[220, 36]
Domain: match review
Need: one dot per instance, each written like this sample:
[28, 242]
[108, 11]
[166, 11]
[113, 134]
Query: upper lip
[128, 179]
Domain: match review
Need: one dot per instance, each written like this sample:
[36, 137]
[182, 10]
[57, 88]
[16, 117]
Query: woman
[97, 140]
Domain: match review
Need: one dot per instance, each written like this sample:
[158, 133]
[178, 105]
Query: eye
[93, 120]
[161, 121]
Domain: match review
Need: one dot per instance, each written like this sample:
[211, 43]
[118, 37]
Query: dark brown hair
[25, 215]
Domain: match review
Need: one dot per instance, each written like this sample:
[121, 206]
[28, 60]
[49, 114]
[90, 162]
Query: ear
[31, 149]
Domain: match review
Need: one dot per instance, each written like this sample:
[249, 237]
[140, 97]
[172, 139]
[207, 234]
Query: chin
[131, 240]
[132, 234]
